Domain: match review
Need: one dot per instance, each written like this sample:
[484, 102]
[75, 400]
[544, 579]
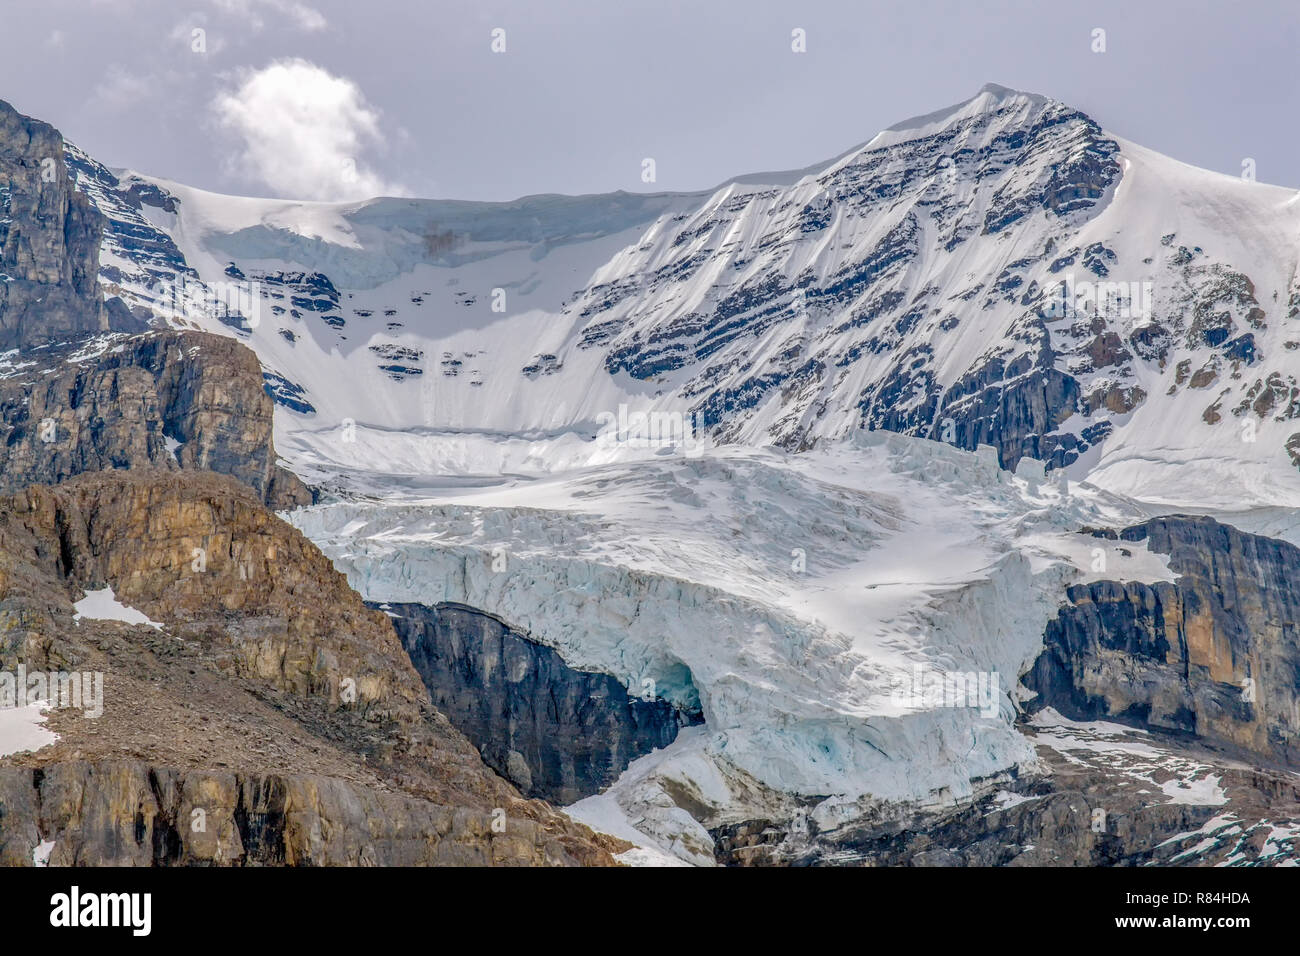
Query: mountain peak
[1005, 92]
[991, 96]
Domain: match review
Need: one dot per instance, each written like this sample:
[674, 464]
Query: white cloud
[120, 89]
[302, 132]
[305, 17]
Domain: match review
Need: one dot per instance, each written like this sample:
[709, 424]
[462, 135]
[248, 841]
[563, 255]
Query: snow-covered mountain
[652, 431]
[1000, 272]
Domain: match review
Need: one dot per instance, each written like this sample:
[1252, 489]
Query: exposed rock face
[139, 254]
[206, 557]
[1215, 654]
[49, 240]
[1124, 803]
[273, 700]
[557, 733]
[119, 401]
[1012, 406]
[126, 812]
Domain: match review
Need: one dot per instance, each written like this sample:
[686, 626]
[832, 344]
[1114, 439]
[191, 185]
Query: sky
[496, 99]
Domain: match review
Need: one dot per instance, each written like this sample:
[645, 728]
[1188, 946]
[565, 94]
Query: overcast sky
[332, 99]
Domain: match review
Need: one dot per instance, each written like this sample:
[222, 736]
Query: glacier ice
[784, 595]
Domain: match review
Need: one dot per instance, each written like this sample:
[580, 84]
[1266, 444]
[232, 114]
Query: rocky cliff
[1214, 654]
[270, 699]
[162, 400]
[49, 240]
[557, 733]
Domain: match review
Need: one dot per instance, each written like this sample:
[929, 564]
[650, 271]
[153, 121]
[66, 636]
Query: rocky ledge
[1101, 795]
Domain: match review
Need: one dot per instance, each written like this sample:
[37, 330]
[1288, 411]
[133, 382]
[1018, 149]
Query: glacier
[784, 596]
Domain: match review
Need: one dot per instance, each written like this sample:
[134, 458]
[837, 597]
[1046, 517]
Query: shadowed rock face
[1215, 654]
[119, 402]
[273, 700]
[49, 240]
[557, 733]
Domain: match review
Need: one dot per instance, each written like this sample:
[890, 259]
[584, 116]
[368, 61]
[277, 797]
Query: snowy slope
[912, 284]
[22, 729]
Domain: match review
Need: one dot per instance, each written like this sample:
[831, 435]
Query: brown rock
[274, 700]
[118, 408]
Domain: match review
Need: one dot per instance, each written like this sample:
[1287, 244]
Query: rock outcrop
[1100, 798]
[159, 400]
[557, 733]
[271, 699]
[1214, 654]
[49, 241]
